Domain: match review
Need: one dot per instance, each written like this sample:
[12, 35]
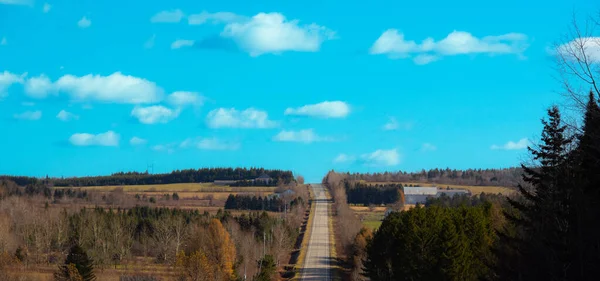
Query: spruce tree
[536, 247]
[586, 197]
[77, 257]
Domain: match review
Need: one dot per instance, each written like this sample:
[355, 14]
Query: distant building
[264, 178]
[418, 194]
[288, 192]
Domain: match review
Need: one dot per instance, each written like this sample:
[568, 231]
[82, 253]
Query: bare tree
[282, 243]
[578, 62]
[300, 179]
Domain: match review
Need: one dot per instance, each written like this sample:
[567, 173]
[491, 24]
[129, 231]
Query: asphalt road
[317, 262]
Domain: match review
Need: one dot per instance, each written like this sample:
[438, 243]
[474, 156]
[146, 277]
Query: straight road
[317, 264]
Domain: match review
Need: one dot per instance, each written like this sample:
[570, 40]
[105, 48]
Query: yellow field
[474, 189]
[179, 187]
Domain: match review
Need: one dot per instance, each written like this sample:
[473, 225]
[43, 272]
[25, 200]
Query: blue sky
[96, 87]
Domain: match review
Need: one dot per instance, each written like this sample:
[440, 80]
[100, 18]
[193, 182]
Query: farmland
[199, 196]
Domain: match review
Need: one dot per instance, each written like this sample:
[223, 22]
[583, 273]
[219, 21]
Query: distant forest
[509, 177]
[177, 176]
[365, 194]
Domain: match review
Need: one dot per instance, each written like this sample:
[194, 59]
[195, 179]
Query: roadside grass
[336, 267]
[305, 239]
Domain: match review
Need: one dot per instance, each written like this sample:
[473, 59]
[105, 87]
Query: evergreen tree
[267, 269]
[537, 249]
[78, 258]
[586, 197]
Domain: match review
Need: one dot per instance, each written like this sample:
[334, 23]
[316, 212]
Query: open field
[474, 189]
[177, 187]
[372, 218]
[199, 196]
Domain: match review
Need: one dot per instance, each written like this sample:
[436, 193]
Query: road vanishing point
[317, 264]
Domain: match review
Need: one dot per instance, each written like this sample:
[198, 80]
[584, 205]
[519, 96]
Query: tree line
[367, 194]
[177, 176]
[509, 177]
[246, 202]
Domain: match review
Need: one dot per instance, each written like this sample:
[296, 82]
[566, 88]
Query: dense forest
[178, 176]
[246, 202]
[366, 194]
[509, 177]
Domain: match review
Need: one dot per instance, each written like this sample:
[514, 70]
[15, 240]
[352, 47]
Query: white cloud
[7, 79]
[326, 109]
[29, 115]
[209, 144]
[38, 87]
[66, 116]
[47, 7]
[511, 145]
[391, 125]
[183, 98]
[150, 43]
[273, 33]
[344, 158]
[109, 138]
[179, 43]
[84, 22]
[428, 147]
[305, 136]
[114, 88]
[171, 16]
[572, 49]
[394, 44]
[3, 42]
[137, 141]
[169, 148]
[425, 59]
[381, 157]
[154, 114]
[16, 2]
[232, 118]
[215, 18]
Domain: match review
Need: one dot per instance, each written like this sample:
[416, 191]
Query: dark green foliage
[244, 202]
[178, 176]
[267, 269]
[432, 243]
[78, 257]
[465, 200]
[365, 194]
[484, 177]
[20, 254]
[175, 196]
[585, 211]
[540, 215]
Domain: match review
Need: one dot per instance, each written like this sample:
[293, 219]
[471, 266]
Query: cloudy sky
[96, 87]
